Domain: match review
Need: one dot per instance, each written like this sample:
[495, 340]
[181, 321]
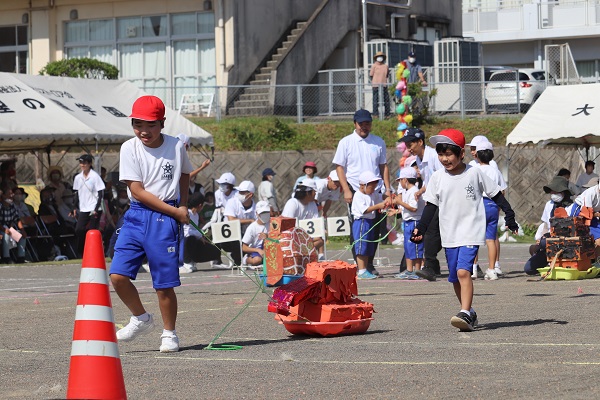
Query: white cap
[410, 161]
[184, 138]
[476, 140]
[334, 176]
[227, 177]
[309, 183]
[246, 186]
[408, 172]
[263, 207]
[484, 146]
[366, 177]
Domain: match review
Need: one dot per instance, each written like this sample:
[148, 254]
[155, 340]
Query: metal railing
[459, 90]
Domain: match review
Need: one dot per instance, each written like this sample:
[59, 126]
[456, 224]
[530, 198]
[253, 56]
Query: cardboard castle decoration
[322, 302]
[572, 236]
[288, 249]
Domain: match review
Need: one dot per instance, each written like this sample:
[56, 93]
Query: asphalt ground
[535, 339]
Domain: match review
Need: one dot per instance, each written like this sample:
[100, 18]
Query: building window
[588, 70]
[14, 49]
[166, 55]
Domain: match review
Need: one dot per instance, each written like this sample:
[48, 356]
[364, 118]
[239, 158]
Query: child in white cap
[412, 209]
[365, 203]
[253, 240]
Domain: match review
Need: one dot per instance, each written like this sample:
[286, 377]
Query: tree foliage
[81, 68]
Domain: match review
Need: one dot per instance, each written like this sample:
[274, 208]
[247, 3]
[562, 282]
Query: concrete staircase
[256, 100]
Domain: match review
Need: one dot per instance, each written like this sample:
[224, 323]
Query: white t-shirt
[585, 178]
[546, 214]
[408, 196]
[494, 174]
[251, 238]
[590, 198]
[323, 194]
[461, 210]
[87, 188]
[221, 198]
[360, 203]
[235, 208]
[295, 209]
[357, 155]
[429, 164]
[188, 229]
[158, 169]
[475, 163]
[266, 192]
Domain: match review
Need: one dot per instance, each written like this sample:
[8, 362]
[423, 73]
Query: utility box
[458, 75]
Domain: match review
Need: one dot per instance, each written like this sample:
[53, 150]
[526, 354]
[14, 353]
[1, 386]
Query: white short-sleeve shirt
[494, 174]
[357, 155]
[251, 238]
[475, 163]
[87, 190]
[158, 169]
[461, 209]
[221, 198]
[323, 194]
[428, 164]
[188, 229]
[360, 203]
[408, 197]
[295, 209]
[589, 198]
[235, 208]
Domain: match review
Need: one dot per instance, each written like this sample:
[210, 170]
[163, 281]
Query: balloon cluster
[403, 101]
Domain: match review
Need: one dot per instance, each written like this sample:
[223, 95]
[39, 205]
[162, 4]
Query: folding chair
[64, 238]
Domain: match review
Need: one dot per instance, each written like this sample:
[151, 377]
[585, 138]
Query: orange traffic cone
[95, 371]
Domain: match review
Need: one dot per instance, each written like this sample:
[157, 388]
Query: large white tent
[563, 115]
[41, 112]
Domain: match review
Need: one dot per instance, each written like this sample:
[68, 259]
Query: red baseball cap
[311, 165]
[449, 136]
[148, 108]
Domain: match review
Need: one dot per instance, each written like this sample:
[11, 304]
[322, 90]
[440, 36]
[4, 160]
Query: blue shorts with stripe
[462, 257]
[492, 212]
[412, 251]
[363, 245]
[149, 233]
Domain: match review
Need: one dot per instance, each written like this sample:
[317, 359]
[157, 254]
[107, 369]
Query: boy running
[457, 191]
[155, 167]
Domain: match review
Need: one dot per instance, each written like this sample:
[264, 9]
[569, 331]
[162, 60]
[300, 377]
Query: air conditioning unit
[131, 31]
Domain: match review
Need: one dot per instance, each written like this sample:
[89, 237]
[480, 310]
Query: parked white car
[505, 87]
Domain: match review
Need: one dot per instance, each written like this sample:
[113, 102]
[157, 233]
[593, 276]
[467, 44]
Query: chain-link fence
[460, 91]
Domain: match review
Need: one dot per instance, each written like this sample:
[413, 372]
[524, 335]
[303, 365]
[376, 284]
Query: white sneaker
[498, 271]
[135, 328]
[398, 241]
[490, 275]
[216, 265]
[474, 272]
[146, 267]
[321, 257]
[169, 343]
[187, 268]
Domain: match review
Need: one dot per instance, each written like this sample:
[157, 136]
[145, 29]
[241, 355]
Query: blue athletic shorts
[491, 218]
[146, 232]
[364, 245]
[412, 251]
[462, 257]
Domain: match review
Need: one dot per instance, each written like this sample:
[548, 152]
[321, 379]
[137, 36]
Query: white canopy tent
[563, 115]
[41, 112]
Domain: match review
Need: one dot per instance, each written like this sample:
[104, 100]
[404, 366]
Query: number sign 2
[338, 226]
[227, 231]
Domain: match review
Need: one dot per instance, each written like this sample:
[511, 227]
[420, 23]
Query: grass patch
[277, 134]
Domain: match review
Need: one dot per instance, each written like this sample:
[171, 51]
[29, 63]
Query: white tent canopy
[37, 112]
[563, 115]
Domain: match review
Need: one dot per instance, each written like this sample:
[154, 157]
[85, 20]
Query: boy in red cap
[155, 167]
[457, 191]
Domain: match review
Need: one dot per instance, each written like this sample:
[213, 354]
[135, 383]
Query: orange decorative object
[570, 240]
[288, 249]
[323, 302]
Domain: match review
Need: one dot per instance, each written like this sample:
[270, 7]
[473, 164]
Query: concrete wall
[443, 9]
[310, 52]
[258, 26]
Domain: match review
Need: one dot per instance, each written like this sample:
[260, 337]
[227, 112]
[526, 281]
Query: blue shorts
[364, 246]
[146, 232]
[412, 251]
[254, 254]
[492, 212]
[462, 257]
